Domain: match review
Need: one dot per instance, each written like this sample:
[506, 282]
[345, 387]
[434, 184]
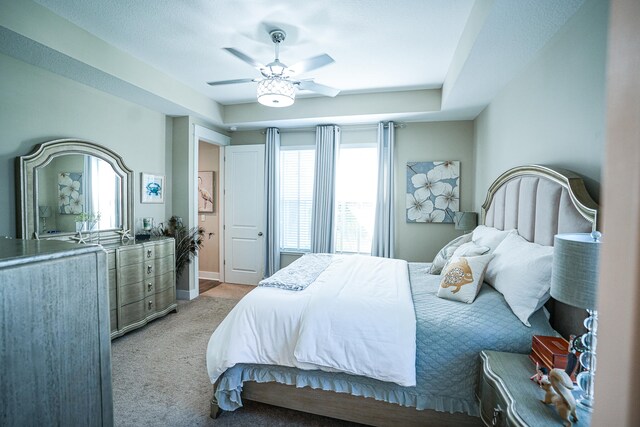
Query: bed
[538, 202]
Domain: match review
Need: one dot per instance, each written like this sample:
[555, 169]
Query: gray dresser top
[18, 251]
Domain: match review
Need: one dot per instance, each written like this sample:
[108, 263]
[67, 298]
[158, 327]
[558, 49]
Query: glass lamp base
[585, 403]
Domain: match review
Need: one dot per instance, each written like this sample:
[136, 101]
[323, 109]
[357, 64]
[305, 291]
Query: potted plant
[188, 241]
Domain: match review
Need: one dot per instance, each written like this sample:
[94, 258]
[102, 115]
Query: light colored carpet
[228, 291]
[160, 375]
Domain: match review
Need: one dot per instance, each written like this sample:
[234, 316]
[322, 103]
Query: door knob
[260, 234]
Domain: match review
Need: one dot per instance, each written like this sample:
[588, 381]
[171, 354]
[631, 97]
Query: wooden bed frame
[508, 199]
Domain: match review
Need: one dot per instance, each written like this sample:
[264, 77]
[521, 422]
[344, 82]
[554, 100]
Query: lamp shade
[276, 92]
[465, 220]
[44, 211]
[574, 276]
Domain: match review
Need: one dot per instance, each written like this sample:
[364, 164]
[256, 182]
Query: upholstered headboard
[540, 202]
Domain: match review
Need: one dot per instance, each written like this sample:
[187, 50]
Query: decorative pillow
[462, 278]
[467, 250]
[442, 257]
[489, 236]
[521, 272]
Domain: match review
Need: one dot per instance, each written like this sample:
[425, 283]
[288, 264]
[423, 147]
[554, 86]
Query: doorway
[209, 214]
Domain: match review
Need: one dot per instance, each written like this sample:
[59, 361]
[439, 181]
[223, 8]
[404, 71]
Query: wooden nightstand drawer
[492, 406]
[130, 274]
[130, 255]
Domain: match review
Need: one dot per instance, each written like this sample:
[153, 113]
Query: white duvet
[356, 317]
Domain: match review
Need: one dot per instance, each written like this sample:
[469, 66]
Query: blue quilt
[449, 338]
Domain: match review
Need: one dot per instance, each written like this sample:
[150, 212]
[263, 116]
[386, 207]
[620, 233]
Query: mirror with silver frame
[68, 187]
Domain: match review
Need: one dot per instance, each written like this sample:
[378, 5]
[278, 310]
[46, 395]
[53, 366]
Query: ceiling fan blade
[230, 82]
[310, 64]
[318, 88]
[246, 58]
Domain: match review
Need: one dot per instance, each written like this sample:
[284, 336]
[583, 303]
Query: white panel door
[244, 214]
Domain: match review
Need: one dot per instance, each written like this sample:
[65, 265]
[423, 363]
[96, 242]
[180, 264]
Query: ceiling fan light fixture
[276, 92]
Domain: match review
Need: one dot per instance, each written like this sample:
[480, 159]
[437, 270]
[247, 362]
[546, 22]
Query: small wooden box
[551, 352]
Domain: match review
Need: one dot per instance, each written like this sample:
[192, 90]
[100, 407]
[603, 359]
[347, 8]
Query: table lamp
[574, 281]
[465, 220]
[44, 212]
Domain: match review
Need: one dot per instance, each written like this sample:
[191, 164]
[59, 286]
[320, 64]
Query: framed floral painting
[70, 193]
[152, 187]
[433, 193]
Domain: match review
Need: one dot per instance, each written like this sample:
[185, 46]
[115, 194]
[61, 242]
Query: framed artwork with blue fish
[433, 191]
[152, 187]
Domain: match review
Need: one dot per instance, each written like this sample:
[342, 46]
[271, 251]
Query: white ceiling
[470, 49]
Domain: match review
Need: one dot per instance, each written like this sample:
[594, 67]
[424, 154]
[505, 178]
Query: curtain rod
[345, 127]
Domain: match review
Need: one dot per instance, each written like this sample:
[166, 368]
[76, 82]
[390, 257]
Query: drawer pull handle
[149, 286]
[148, 253]
[150, 305]
[149, 269]
[497, 412]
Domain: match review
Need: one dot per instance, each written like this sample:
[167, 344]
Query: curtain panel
[324, 189]
[272, 196]
[384, 226]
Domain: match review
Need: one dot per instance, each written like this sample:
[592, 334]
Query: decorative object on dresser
[508, 397]
[432, 191]
[55, 354]
[37, 185]
[465, 221]
[141, 283]
[575, 282]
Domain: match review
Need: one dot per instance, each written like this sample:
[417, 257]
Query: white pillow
[445, 253]
[462, 278]
[467, 250]
[521, 272]
[489, 236]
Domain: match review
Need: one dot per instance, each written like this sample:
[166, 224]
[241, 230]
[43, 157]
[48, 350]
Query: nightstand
[508, 397]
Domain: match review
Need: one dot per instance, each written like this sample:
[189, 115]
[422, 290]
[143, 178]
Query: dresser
[55, 352]
[508, 397]
[141, 283]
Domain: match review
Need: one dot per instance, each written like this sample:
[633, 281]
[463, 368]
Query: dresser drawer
[130, 274]
[132, 313]
[112, 279]
[165, 298]
[492, 405]
[131, 293]
[112, 297]
[165, 281]
[149, 251]
[114, 320]
[130, 255]
[164, 248]
[164, 265]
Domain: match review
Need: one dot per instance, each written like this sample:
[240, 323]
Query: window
[296, 196]
[356, 188]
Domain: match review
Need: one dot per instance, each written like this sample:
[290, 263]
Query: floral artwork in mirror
[152, 187]
[206, 191]
[433, 193]
[70, 192]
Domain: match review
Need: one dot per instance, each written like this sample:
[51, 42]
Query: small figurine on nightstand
[558, 391]
[541, 374]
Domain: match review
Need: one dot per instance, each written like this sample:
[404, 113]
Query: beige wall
[209, 255]
[37, 106]
[420, 142]
[415, 142]
[553, 113]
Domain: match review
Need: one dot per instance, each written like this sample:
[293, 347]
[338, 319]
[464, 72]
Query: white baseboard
[187, 295]
[209, 275]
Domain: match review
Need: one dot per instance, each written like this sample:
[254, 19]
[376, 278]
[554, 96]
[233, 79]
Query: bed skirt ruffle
[229, 390]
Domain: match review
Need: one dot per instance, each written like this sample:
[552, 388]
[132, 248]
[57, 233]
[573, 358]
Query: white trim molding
[187, 295]
[209, 275]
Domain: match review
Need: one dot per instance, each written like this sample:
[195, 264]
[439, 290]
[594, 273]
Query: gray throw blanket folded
[300, 273]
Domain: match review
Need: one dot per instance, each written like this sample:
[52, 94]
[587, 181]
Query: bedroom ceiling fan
[277, 86]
